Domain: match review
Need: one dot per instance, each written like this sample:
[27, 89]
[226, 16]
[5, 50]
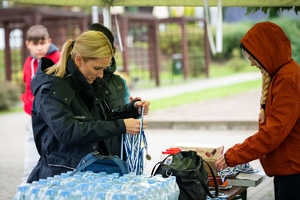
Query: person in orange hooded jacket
[277, 142]
[39, 44]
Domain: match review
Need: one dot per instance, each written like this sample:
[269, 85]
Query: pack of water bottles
[100, 186]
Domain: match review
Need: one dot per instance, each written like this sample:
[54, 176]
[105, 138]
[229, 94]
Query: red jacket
[29, 70]
[277, 141]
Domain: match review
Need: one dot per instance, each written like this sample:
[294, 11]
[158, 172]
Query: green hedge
[9, 95]
[291, 28]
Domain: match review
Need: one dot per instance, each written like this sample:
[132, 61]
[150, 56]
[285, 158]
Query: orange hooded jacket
[277, 142]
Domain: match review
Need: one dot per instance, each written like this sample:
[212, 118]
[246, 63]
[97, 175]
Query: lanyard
[136, 149]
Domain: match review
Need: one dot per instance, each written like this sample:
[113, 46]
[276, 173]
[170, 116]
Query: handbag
[100, 163]
[191, 175]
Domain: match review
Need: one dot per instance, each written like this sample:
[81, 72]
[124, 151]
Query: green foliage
[2, 71]
[233, 66]
[291, 28]
[236, 62]
[9, 95]
[275, 9]
[232, 34]
[170, 40]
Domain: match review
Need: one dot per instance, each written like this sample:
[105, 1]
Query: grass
[208, 94]
[12, 110]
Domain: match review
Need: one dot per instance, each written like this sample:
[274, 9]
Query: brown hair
[36, 33]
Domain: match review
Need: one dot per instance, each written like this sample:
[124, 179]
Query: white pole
[95, 13]
[209, 32]
[5, 4]
[106, 16]
[219, 33]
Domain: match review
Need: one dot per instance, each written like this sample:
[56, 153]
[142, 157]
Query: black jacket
[70, 119]
[116, 93]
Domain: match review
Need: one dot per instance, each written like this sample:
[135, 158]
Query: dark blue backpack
[99, 163]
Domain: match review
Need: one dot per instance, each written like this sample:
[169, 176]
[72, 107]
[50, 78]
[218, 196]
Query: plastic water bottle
[118, 196]
[154, 192]
[141, 191]
[34, 184]
[116, 175]
[49, 195]
[64, 195]
[87, 195]
[174, 186]
[161, 190]
[99, 195]
[169, 185]
[80, 188]
[20, 194]
[132, 197]
[34, 194]
[124, 195]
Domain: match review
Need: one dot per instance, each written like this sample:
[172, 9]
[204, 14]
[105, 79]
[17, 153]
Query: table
[236, 192]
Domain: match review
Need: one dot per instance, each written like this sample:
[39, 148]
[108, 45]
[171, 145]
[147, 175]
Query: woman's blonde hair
[266, 79]
[90, 45]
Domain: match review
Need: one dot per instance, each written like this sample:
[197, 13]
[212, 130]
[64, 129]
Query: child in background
[40, 45]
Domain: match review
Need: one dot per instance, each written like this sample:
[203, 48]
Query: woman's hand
[220, 163]
[139, 104]
[133, 125]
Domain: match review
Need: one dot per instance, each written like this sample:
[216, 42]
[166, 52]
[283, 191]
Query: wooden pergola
[225, 3]
[107, 4]
[22, 18]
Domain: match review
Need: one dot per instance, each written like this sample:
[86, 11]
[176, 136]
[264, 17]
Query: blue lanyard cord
[232, 171]
[136, 149]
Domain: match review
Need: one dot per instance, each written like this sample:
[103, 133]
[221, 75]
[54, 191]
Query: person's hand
[139, 104]
[133, 125]
[220, 163]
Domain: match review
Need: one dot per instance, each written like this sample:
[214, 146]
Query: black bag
[99, 163]
[191, 175]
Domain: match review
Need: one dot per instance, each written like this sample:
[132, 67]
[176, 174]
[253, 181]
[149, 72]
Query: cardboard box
[248, 180]
[209, 152]
[206, 151]
[211, 163]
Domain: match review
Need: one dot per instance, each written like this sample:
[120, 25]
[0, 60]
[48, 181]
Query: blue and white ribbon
[136, 149]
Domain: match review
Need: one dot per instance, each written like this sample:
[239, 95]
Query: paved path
[238, 107]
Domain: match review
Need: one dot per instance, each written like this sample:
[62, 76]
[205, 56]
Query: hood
[267, 43]
[40, 78]
[52, 48]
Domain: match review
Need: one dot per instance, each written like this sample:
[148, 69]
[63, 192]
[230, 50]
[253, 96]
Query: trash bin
[177, 64]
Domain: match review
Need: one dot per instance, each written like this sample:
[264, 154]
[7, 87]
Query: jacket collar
[80, 84]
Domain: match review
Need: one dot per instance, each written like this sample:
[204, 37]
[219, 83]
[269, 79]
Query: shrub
[291, 27]
[9, 95]
[233, 32]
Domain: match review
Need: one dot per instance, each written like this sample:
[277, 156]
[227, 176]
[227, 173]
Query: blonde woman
[277, 142]
[70, 115]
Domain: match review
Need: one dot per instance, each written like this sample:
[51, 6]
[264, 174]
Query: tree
[273, 9]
